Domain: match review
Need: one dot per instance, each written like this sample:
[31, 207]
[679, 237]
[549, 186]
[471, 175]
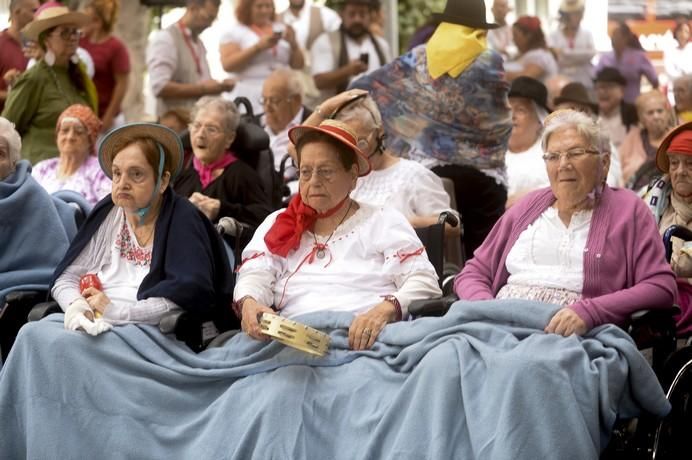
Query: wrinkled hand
[367, 326]
[209, 206]
[566, 322]
[11, 76]
[97, 300]
[250, 320]
[330, 105]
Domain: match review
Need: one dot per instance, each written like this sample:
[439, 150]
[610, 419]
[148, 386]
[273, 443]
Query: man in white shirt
[309, 21]
[500, 39]
[614, 114]
[573, 44]
[341, 56]
[282, 99]
[177, 60]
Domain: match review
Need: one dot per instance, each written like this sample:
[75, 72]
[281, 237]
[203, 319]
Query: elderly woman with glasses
[56, 82]
[76, 168]
[580, 244]
[217, 182]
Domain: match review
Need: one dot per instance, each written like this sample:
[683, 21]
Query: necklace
[322, 246]
[59, 87]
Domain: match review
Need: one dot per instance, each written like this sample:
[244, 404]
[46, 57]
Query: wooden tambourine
[295, 335]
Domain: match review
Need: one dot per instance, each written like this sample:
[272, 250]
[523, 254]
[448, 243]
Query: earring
[74, 58]
[49, 58]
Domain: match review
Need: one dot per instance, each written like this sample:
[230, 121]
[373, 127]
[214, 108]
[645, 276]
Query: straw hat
[166, 137]
[661, 153]
[52, 14]
[339, 131]
[571, 6]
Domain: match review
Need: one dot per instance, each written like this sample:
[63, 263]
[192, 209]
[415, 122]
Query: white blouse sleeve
[147, 311]
[429, 196]
[259, 268]
[66, 287]
[405, 259]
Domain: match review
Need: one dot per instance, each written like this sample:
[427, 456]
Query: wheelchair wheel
[672, 435]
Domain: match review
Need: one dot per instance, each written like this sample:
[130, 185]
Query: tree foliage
[413, 14]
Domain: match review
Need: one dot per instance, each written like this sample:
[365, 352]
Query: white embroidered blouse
[372, 254]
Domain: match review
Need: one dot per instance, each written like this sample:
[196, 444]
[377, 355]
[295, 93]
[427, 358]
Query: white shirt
[549, 254]
[406, 186]
[540, 57]
[301, 23]
[526, 170]
[500, 40]
[575, 55]
[278, 142]
[120, 263]
[614, 127]
[251, 78]
[323, 59]
[375, 249]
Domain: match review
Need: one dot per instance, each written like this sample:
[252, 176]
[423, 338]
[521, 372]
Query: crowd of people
[564, 173]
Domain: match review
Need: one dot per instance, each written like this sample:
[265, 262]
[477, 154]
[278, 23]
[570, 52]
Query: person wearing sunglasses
[58, 80]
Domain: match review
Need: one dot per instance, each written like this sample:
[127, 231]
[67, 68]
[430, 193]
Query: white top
[84, 57]
[162, 59]
[301, 23]
[540, 57]
[89, 180]
[251, 78]
[121, 264]
[278, 142]
[407, 186]
[549, 254]
[501, 40]
[373, 253]
[614, 127]
[323, 59]
[575, 55]
[677, 61]
[526, 170]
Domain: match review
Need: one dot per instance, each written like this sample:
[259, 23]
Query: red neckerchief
[284, 235]
[206, 172]
[186, 37]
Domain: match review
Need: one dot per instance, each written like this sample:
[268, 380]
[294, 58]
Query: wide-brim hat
[530, 88]
[662, 152]
[339, 131]
[577, 93]
[610, 75]
[52, 14]
[470, 13]
[166, 137]
[571, 6]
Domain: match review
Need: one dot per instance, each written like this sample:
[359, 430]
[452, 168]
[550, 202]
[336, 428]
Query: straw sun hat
[52, 14]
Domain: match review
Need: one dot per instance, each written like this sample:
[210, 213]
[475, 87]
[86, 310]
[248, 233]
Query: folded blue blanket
[482, 382]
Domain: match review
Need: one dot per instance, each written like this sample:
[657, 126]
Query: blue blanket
[482, 382]
[35, 232]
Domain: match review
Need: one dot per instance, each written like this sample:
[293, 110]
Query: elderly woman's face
[525, 123]
[680, 171]
[6, 165]
[572, 180]
[73, 138]
[208, 136]
[133, 179]
[654, 115]
[323, 180]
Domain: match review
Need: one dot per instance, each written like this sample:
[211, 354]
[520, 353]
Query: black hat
[530, 88]
[470, 13]
[577, 93]
[610, 74]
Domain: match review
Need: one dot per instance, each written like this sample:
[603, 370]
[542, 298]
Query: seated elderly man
[670, 200]
[282, 99]
[387, 387]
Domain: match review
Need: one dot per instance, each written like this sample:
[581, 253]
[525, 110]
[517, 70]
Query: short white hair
[231, 116]
[10, 134]
[291, 79]
[586, 126]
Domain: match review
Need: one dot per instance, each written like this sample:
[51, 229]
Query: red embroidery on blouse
[247, 259]
[309, 258]
[407, 255]
[129, 250]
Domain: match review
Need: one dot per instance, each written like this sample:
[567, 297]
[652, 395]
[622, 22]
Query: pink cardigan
[624, 262]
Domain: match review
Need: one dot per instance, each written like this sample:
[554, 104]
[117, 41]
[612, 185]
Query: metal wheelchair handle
[447, 217]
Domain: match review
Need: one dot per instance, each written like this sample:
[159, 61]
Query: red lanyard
[186, 37]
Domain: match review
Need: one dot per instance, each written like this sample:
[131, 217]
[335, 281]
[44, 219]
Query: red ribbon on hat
[682, 143]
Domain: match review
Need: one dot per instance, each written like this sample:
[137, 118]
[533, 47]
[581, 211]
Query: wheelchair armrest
[194, 331]
[170, 321]
[431, 307]
[44, 309]
[30, 297]
[656, 314]
[677, 231]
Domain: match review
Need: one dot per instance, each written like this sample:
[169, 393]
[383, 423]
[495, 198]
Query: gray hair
[586, 126]
[685, 80]
[231, 116]
[291, 79]
[14, 141]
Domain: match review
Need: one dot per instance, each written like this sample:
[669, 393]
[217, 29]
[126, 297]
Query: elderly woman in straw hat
[76, 168]
[670, 200]
[57, 81]
[329, 252]
[150, 249]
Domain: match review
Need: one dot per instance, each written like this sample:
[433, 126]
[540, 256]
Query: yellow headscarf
[452, 48]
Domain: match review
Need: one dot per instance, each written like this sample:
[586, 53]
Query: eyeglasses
[570, 155]
[274, 101]
[325, 174]
[209, 129]
[68, 33]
